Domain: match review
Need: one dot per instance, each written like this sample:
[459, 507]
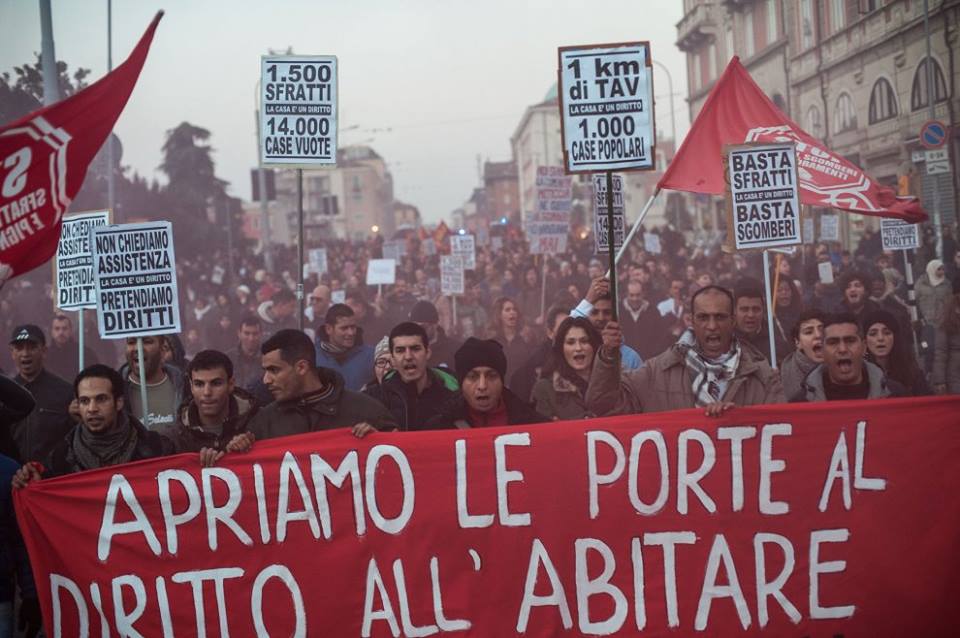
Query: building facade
[850, 72]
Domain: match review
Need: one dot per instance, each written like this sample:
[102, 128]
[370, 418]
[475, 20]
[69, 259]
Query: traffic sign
[938, 161]
[933, 134]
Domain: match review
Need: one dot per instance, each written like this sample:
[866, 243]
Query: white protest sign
[825, 270]
[338, 296]
[547, 227]
[600, 212]
[136, 278]
[897, 234]
[318, 260]
[298, 110]
[451, 275]
[393, 249]
[464, 246]
[651, 243]
[829, 228]
[381, 271]
[606, 106]
[764, 196]
[75, 287]
[216, 277]
[808, 232]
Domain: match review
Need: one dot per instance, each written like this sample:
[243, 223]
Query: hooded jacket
[881, 387]
[454, 413]
[666, 383]
[342, 408]
[130, 388]
[189, 436]
[410, 410]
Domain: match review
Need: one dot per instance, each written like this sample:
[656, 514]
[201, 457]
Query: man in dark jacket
[106, 436]
[216, 409]
[751, 318]
[36, 434]
[442, 347]
[855, 286]
[523, 379]
[413, 392]
[644, 328]
[308, 398]
[483, 400]
[63, 352]
[844, 375]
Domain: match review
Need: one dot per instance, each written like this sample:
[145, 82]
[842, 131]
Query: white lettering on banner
[74, 261]
[136, 280]
[298, 121]
[606, 100]
[764, 196]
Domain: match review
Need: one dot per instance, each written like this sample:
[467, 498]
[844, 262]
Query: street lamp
[673, 113]
[375, 229]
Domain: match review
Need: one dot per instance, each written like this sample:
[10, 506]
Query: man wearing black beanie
[483, 401]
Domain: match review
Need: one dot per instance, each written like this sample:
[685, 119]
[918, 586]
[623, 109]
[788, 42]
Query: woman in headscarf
[560, 394]
[933, 289]
[892, 351]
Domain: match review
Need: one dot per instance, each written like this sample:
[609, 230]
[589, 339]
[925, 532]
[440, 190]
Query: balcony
[738, 4]
[696, 28]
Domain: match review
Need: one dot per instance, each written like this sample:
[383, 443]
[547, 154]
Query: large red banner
[813, 520]
[738, 111]
[44, 158]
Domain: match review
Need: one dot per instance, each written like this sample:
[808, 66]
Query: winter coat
[36, 435]
[342, 408]
[354, 365]
[930, 298]
[410, 410]
[454, 413]
[649, 334]
[442, 350]
[666, 383]
[61, 460]
[188, 434]
[794, 370]
[13, 553]
[557, 398]
[946, 361]
[246, 369]
[811, 390]
[760, 343]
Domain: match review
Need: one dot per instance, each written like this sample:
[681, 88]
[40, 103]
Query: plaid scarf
[710, 376]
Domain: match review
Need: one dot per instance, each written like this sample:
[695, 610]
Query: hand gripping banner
[44, 158]
[814, 520]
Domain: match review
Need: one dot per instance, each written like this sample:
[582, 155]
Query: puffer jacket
[666, 383]
[946, 361]
[410, 410]
[342, 408]
[559, 399]
[188, 434]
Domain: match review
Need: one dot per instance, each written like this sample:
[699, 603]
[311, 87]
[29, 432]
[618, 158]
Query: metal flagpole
[911, 302]
[299, 245]
[543, 286]
[453, 301]
[611, 245]
[143, 383]
[773, 342]
[80, 338]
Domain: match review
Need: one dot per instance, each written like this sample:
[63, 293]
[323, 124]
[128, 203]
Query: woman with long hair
[560, 394]
[946, 356]
[890, 350]
[506, 326]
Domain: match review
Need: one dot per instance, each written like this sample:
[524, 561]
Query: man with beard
[164, 384]
[807, 336]
[106, 436]
[36, 434]
[751, 320]
[63, 352]
[706, 368]
[340, 347]
[844, 375]
[412, 391]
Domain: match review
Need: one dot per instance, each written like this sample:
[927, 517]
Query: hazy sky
[450, 79]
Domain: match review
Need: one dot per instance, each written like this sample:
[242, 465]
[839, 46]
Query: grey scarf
[103, 449]
[710, 376]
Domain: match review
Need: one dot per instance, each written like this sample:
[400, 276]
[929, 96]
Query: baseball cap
[28, 332]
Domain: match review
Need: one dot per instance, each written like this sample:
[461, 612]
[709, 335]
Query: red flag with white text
[738, 111]
[44, 158]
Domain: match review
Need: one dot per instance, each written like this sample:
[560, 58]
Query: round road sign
[933, 134]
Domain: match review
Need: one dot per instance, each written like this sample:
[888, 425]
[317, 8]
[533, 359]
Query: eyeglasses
[382, 363]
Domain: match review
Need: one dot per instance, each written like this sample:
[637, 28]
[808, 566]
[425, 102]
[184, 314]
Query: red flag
[738, 111]
[44, 158]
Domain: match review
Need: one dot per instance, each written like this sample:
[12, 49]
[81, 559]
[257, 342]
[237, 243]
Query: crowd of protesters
[533, 339]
